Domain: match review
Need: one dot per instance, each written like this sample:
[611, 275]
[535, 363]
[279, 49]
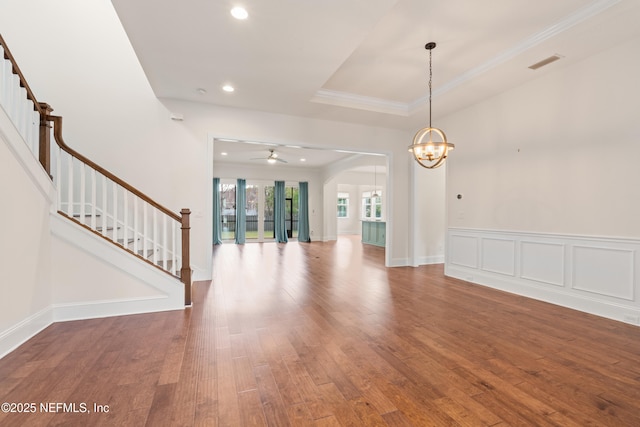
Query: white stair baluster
[83, 196]
[145, 230]
[22, 112]
[70, 185]
[35, 130]
[135, 225]
[19, 101]
[155, 236]
[15, 96]
[164, 241]
[8, 95]
[104, 216]
[174, 259]
[125, 242]
[114, 192]
[178, 227]
[28, 127]
[59, 177]
[94, 197]
[2, 76]
[4, 81]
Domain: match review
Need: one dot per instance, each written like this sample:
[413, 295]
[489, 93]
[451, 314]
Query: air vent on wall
[546, 61]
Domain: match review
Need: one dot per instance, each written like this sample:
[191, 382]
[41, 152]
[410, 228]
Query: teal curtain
[241, 211]
[217, 232]
[303, 212]
[279, 213]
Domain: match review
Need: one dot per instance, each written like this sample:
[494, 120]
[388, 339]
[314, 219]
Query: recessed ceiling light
[223, 154]
[303, 160]
[228, 88]
[239, 13]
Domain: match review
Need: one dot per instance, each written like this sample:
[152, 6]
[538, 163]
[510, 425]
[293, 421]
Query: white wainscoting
[596, 275]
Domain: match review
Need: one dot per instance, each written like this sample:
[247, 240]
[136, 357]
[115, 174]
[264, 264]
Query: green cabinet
[374, 233]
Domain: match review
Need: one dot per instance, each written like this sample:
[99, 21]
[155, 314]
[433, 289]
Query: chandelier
[430, 153]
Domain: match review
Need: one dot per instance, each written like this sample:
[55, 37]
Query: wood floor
[322, 334]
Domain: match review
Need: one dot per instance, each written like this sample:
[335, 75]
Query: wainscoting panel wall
[596, 275]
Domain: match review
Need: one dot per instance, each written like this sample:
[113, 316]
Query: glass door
[228, 211]
[268, 227]
[253, 203]
[291, 211]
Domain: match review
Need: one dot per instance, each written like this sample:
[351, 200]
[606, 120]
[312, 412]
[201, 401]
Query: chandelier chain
[430, 78]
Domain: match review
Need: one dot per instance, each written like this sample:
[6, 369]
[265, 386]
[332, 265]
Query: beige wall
[557, 155]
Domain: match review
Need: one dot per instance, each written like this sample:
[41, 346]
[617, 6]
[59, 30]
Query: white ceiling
[362, 61]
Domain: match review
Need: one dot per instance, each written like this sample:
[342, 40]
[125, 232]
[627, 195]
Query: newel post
[185, 271]
[45, 137]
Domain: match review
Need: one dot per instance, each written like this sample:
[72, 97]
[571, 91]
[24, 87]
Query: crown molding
[368, 103]
[349, 100]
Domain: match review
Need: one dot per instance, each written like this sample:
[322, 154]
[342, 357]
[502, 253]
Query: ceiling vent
[549, 60]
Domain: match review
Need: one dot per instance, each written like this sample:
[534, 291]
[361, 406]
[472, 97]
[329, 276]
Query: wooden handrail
[23, 82]
[57, 134]
[44, 154]
[45, 117]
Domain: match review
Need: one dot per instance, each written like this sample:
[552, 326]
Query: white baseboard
[200, 274]
[17, 335]
[100, 309]
[428, 260]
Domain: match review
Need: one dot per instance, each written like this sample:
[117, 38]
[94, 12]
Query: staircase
[90, 196]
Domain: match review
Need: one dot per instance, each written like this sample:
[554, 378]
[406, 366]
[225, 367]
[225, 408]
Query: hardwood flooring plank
[160, 411]
[228, 405]
[330, 421]
[309, 391]
[396, 419]
[272, 405]
[323, 334]
[245, 379]
[251, 412]
[206, 403]
[299, 415]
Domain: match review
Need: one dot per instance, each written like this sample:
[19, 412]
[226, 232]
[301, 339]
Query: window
[343, 205]
[371, 206]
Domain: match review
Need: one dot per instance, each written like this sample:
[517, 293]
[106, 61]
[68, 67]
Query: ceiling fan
[271, 158]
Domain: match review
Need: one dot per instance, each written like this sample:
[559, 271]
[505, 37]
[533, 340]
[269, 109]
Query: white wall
[429, 221]
[25, 256]
[552, 161]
